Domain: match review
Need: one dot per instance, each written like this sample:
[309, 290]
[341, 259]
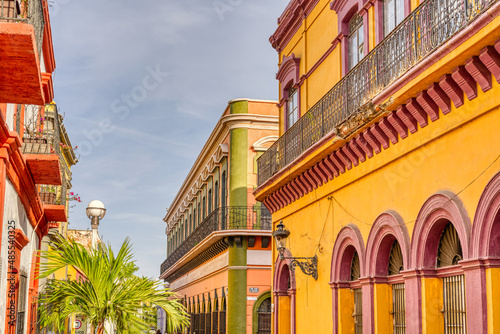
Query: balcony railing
[429, 26]
[38, 145]
[225, 218]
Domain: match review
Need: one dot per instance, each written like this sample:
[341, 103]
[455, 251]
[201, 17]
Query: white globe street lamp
[96, 212]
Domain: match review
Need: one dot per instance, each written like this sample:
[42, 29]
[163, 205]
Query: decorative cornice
[290, 21]
[288, 66]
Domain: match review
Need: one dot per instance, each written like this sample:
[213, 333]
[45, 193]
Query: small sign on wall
[253, 290]
[251, 298]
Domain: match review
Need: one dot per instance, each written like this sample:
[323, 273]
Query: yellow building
[386, 172]
[55, 138]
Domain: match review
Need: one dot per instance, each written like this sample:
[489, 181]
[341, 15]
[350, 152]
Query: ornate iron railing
[429, 26]
[224, 218]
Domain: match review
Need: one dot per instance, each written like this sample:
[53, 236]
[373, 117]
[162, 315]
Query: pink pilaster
[335, 307]
[293, 318]
[276, 311]
[475, 296]
[368, 317]
[413, 301]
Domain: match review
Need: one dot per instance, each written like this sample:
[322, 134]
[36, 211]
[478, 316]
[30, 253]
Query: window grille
[208, 323]
[395, 259]
[358, 311]
[202, 318]
[399, 309]
[222, 315]
[191, 323]
[450, 249]
[264, 317]
[355, 267]
[398, 290]
[358, 295]
[454, 305]
[222, 322]
[454, 310]
[215, 322]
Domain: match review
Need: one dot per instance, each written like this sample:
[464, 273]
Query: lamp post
[308, 265]
[95, 211]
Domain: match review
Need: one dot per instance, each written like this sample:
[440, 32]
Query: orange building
[27, 160]
[218, 235]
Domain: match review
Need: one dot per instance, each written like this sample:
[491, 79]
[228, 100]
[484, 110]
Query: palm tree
[109, 291]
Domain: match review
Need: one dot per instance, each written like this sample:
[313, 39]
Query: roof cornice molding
[290, 21]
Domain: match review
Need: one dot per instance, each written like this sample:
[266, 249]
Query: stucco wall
[14, 211]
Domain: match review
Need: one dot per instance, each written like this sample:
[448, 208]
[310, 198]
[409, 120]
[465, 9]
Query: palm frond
[108, 292]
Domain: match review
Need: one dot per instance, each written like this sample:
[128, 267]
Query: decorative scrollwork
[308, 265]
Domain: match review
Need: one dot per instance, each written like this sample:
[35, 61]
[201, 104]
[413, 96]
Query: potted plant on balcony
[48, 194]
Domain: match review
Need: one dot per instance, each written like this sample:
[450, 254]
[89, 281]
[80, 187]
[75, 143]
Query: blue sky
[141, 85]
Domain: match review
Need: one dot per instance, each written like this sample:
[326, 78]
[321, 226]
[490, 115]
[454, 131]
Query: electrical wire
[444, 204]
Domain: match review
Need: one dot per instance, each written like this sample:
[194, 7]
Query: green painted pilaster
[237, 285]
[237, 275]
[238, 162]
[239, 107]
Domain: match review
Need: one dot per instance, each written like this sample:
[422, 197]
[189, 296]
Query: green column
[237, 275]
[237, 286]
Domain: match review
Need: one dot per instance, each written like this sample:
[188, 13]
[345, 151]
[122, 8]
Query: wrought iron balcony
[428, 27]
[221, 219]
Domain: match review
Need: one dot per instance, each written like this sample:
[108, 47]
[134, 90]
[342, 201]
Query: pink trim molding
[348, 240]
[436, 212]
[282, 275]
[387, 228]
[485, 241]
